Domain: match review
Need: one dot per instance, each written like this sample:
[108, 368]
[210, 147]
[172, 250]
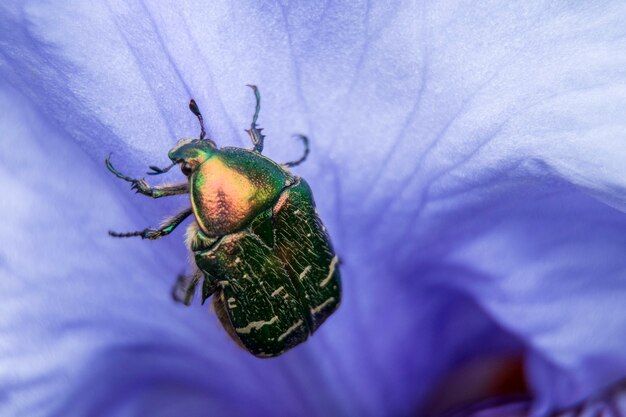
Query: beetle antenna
[158, 171]
[195, 110]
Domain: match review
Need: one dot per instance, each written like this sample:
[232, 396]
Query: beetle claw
[141, 187]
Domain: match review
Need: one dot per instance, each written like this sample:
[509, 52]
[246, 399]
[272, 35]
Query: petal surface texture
[467, 158]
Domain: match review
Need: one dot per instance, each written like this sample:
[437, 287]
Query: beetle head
[190, 153]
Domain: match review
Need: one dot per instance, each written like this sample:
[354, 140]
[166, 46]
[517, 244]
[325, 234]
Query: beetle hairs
[191, 235]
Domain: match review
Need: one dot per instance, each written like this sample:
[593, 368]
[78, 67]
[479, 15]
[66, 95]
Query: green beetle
[260, 248]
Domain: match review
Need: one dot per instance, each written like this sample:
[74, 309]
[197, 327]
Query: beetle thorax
[225, 196]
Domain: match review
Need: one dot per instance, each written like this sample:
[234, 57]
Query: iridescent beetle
[259, 245]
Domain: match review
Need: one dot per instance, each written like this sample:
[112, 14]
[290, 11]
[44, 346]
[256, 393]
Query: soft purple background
[468, 159]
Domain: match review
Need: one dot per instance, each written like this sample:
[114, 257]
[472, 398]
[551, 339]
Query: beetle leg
[142, 187]
[255, 132]
[166, 228]
[305, 141]
[185, 287]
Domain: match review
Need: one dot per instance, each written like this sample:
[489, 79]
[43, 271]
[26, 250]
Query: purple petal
[608, 403]
[465, 159]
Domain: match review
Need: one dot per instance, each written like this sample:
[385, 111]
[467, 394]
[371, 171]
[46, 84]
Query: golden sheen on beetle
[261, 252]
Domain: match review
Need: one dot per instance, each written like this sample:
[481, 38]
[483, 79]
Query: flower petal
[464, 159]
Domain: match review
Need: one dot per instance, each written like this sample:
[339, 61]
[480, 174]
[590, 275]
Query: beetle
[260, 248]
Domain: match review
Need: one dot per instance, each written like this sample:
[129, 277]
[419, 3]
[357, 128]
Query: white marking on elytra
[232, 303]
[321, 306]
[255, 325]
[304, 272]
[237, 260]
[289, 330]
[278, 291]
[331, 271]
